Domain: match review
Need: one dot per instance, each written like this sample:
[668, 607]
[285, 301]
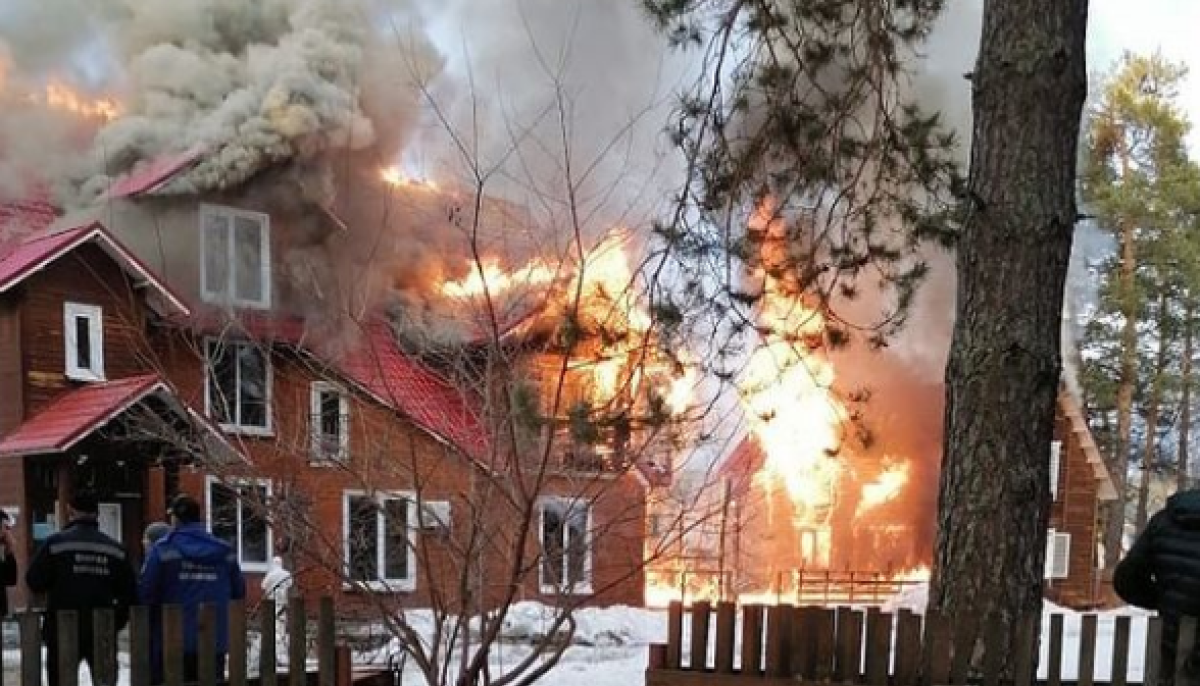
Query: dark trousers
[86, 653]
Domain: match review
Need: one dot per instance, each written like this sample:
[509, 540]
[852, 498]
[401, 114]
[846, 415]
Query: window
[83, 339]
[380, 541]
[330, 422]
[238, 386]
[1055, 467]
[566, 546]
[1058, 555]
[236, 515]
[236, 266]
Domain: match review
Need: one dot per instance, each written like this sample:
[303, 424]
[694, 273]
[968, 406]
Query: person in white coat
[276, 585]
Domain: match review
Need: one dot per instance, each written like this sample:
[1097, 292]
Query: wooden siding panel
[89, 277]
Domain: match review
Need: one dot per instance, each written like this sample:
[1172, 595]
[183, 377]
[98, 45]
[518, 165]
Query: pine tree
[1134, 152]
[1028, 91]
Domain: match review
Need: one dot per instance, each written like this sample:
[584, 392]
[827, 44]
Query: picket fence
[786, 644]
[332, 660]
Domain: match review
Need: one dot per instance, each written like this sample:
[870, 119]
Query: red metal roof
[383, 370]
[28, 215]
[21, 260]
[150, 176]
[377, 365]
[76, 414]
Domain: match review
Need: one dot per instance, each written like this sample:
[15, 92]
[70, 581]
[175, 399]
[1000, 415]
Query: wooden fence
[332, 661]
[788, 644]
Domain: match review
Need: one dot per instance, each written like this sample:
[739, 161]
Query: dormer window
[236, 269]
[83, 339]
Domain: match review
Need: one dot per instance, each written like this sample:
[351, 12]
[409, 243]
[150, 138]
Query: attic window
[83, 340]
[236, 269]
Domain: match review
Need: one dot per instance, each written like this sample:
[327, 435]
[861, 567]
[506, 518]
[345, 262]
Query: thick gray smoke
[253, 85]
[303, 102]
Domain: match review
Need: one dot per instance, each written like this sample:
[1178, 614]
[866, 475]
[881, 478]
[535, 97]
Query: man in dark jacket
[8, 562]
[1162, 572]
[82, 569]
[187, 567]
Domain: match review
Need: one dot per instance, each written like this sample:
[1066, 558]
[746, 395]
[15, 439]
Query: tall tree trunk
[1152, 407]
[1185, 394]
[1118, 462]
[1002, 377]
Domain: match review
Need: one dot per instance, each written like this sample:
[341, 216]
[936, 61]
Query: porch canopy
[136, 409]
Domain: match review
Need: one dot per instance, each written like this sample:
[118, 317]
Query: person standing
[80, 568]
[1162, 572]
[8, 561]
[187, 567]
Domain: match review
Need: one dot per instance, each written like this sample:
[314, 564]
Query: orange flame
[392, 176]
[885, 488]
[491, 278]
[59, 96]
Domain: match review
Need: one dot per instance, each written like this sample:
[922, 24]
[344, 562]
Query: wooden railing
[332, 661]
[788, 644]
[801, 586]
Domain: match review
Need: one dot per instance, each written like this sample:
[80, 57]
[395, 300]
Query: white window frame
[228, 296]
[318, 447]
[1056, 449]
[94, 315]
[269, 379]
[1058, 567]
[407, 585]
[235, 484]
[569, 586]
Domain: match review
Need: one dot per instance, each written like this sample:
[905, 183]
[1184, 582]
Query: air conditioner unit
[435, 515]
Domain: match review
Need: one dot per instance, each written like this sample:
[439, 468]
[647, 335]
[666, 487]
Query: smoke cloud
[296, 106]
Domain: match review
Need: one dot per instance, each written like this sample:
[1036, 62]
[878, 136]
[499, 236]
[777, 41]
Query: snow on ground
[610, 647]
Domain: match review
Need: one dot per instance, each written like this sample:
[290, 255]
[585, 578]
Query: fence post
[1120, 656]
[172, 645]
[1027, 650]
[206, 644]
[726, 623]
[139, 642]
[297, 642]
[326, 635]
[68, 647]
[879, 644]
[779, 630]
[237, 643]
[752, 640]
[1153, 664]
[822, 623]
[935, 652]
[1183, 649]
[1087, 651]
[31, 649]
[698, 660]
[908, 647]
[674, 634]
[104, 646]
[1055, 654]
[345, 674]
[849, 644]
[267, 668]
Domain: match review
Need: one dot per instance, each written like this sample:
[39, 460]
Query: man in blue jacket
[187, 567]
